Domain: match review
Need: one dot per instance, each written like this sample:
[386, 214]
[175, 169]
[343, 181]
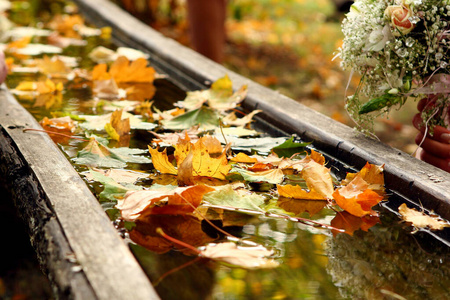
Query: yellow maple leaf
[318, 178]
[161, 162]
[372, 174]
[296, 192]
[118, 127]
[205, 165]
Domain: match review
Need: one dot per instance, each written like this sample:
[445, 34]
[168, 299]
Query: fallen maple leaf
[297, 192]
[118, 127]
[420, 219]
[232, 120]
[54, 67]
[180, 200]
[372, 174]
[318, 178]
[122, 70]
[161, 162]
[356, 198]
[244, 257]
[220, 96]
[241, 157]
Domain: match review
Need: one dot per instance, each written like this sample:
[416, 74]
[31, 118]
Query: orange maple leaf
[356, 198]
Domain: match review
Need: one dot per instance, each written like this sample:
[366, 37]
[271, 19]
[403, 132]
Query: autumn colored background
[287, 45]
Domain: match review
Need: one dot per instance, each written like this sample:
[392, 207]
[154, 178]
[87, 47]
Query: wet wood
[405, 175]
[76, 243]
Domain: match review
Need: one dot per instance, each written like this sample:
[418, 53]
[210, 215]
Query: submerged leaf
[244, 257]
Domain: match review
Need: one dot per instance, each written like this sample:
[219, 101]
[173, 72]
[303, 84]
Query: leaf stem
[178, 242]
[55, 133]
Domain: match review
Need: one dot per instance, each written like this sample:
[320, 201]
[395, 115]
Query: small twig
[55, 133]
[295, 219]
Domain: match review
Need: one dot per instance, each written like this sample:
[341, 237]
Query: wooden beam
[79, 248]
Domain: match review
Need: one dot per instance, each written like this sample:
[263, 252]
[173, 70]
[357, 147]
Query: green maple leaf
[289, 148]
[205, 117]
[227, 196]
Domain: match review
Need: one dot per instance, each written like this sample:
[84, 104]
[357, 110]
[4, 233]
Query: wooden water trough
[79, 248]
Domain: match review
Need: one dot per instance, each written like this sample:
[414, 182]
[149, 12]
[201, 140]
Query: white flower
[378, 38]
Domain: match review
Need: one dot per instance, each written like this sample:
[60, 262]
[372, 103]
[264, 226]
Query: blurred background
[287, 45]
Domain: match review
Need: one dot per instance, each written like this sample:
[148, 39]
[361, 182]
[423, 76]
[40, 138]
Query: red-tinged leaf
[350, 223]
[139, 204]
[356, 198]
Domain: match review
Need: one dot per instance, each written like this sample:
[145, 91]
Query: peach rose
[399, 16]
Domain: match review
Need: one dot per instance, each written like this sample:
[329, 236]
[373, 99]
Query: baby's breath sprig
[402, 49]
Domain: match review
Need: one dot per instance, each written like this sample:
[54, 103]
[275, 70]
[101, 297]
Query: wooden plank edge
[79, 247]
[409, 177]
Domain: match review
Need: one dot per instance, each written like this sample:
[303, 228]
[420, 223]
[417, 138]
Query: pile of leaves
[202, 160]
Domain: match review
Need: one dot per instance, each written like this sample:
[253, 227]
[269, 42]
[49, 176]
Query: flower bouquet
[401, 50]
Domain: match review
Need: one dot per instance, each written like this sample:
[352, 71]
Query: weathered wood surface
[77, 245]
[404, 174]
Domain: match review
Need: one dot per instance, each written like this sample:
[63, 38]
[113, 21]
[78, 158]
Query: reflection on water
[387, 262]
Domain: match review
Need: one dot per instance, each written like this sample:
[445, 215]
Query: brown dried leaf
[420, 219]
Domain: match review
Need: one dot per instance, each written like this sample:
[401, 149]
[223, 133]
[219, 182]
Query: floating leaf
[227, 196]
[356, 198]
[114, 185]
[244, 158]
[184, 228]
[318, 178]
[235, 131]
[420, 219]
[297, 192]
[161, 162]
[264, 144]
[204, 117]
[274, 176]
[118, 127]
[98, 155]
[232, 120]
[220, 96]
[289, 148]
[138, 205]
[98, 122]
[371, 174]
[244, 257]
[122, 70]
